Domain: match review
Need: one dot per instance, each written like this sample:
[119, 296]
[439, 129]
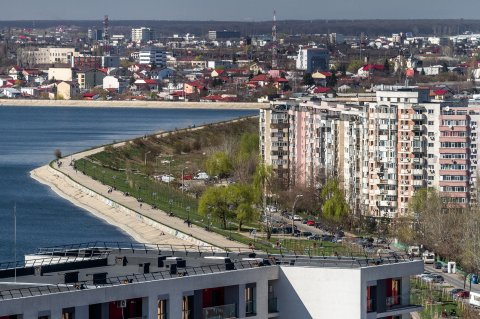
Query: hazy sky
[240, 10]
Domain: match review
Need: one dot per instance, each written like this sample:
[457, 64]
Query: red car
[462, 294]
[310, 223]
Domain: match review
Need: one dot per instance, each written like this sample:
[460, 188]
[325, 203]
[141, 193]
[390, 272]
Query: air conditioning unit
[429, 182]
[121, 304]
[432, 138]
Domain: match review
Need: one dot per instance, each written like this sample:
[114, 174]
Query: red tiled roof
[320, 89]
[377, 67]
[440, 92]
[260, 77]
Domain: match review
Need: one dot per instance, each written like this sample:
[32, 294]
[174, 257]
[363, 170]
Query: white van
[474, 299]
[428, 257]
[414, 251]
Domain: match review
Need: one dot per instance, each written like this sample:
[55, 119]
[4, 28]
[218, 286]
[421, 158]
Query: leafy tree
[249, 145]
[215, 201]
[335, 207]
[245, 213]
[241, 200]
[332, 80]
[219, 164]
[354, 66]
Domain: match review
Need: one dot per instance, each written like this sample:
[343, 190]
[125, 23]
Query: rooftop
[96, 265]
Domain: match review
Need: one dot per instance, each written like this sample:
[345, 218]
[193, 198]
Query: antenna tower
[106, 27]
[274, 40]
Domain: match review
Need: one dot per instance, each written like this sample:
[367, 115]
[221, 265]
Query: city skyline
[247, 10]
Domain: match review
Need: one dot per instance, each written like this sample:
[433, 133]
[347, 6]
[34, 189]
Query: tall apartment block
[381, 152]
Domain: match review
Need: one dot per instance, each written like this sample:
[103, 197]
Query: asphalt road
[454, 280]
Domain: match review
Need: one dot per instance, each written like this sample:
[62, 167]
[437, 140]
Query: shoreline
[134, 104]
[143, 224]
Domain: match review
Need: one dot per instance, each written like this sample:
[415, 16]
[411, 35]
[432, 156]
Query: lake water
[28, 138]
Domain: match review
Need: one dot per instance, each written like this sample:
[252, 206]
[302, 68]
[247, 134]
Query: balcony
[400, 304]
[272, 305]
[220, 312]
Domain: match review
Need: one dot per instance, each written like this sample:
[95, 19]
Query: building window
[371, 298]
[162, 309]
[250, 300]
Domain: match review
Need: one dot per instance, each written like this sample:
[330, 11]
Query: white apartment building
[313, 59]
[152, 56]
[48, 55]
[143, 34]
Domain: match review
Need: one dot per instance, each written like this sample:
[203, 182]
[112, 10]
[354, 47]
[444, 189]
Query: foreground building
[149, 282]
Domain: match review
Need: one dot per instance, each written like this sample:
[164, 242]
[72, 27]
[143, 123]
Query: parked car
[310, 223]
[462, 295]
[306, 233]
[201, 176]
[297, 217]
[314, 237]
[455, 291]
[445, 269]
[438, 279]
[437, 265]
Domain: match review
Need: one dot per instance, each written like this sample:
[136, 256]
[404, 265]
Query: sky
[237, 10]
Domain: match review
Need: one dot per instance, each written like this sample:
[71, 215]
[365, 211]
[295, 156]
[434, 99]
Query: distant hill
[346, 27]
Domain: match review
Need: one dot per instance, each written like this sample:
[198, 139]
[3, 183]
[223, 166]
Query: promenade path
[140, 231]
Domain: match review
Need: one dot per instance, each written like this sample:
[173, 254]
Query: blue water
[28, 138]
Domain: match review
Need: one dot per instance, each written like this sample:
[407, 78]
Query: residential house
[195, 87]
[67, 90]
[60, 74]
[112, 83]
[90, 78]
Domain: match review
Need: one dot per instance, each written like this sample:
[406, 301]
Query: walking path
[143, 223]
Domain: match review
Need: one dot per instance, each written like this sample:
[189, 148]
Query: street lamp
[146, 153]
[293, 212]
[183, 180]
[170, 202]
[114, 177]
[188, 213]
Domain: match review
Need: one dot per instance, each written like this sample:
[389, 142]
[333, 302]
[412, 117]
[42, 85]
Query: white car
[296, 217]
[167, 178]
[201, 176]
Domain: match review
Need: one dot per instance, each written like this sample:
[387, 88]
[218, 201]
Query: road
[454, 280]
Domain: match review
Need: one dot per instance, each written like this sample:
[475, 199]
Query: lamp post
[188, 213]
[170, 201]
[146, 153]
[114, 177]
[293, 212]
[183, 179]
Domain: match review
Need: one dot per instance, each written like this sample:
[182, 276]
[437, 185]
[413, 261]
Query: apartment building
[152, 56]
[155, 281]
[142, 35]
[313, 59]
[308, 143]
[381, 152]
[49, 55]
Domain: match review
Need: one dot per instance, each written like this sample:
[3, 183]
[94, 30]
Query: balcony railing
[220, 312]
[272, 305]
[398, 301]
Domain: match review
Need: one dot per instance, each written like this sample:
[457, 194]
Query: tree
[332, 80]
[215, 201]
[219, 164]
[386, 66]
[57, 153]
[262, 184]
[241, 200]
[354, 66]
[308, 79]
[471, 244]
[335, 207]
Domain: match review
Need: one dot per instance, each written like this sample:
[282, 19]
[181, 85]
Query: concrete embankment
[138, 104]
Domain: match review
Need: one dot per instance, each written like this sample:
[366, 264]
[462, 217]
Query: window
[371, 298]
[430, 122]
[430, 111]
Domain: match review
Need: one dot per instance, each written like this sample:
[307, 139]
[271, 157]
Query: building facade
[142, 35]
[381, 152]
[313, 59]
[135, 282]
[153, 56]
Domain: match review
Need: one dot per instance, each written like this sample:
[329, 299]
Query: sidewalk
[139, 227]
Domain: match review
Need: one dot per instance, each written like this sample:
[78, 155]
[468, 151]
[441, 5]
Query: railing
[220, 312]
[122, 280]
[272, 305]
[250, 307]
[398, 301]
